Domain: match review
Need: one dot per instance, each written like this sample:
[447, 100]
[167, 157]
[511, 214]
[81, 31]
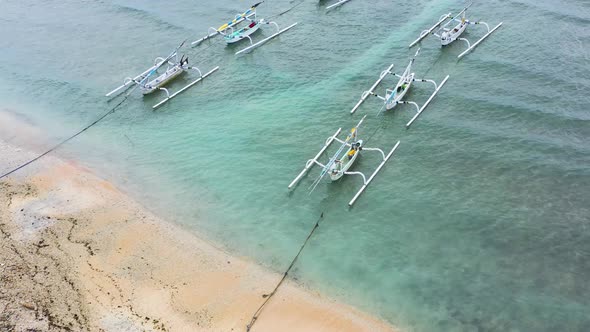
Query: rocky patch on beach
[38, 289]
[40, 280]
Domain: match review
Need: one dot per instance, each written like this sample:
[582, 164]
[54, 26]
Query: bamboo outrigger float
[342, 160]
[173, 70]
[232, 35]
[447, 35]
[394, 96]
[337, 4]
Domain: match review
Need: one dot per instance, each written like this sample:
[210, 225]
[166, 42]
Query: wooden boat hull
[338, 169]
[242, 34]
[390, 104]
[170, 74]
[450, 36]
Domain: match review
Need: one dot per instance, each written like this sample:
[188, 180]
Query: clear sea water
[480, 222]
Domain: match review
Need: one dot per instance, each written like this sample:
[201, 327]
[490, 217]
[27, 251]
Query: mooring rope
[286, 11]
[431, 66]
[383, 126]
[55, 147]
[259, 311]
[211, 43]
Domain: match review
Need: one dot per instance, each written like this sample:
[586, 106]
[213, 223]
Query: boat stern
[336, 171]
[391, 104]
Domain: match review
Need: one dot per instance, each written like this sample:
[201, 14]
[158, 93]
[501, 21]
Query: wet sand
[76, 254]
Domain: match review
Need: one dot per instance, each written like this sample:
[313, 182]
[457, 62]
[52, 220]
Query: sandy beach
[76, 254]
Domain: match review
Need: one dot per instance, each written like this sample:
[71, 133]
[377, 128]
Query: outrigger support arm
[425, 33]
[158, 60]
[375, 149]
[471, 47]
[185, 88]
[367, 182]
[313, 161]
[130, 80]
[421, 109]
[211, 32]
[197, 69]
[357, 173]
[317, 163]
[372, 89]
[411, 103]
[275, 24]
[426, 80]
[378, 96]
[165, 90]
[481, 22]
[341, 141]
[465, 40]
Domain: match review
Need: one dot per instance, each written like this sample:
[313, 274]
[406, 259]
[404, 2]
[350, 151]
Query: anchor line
[384, 126]
[212, 43]
[269, 296]
[286, 11]
[55, 147]
[196, 59]
[431, 66]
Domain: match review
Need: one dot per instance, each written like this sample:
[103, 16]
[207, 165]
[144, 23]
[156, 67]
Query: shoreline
[79, 254]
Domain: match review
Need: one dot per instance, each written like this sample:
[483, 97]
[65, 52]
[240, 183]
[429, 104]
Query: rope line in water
[431, 66]
[211, 44]
[383, 125]
[112, 110]
[259, 311]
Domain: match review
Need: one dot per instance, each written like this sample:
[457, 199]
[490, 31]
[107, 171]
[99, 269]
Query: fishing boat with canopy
[174, 67]
[395, 95]
[342, 160]
[446, 35]
[232, 34]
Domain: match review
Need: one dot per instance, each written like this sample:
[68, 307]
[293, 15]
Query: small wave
[145, 15]
[556, 10]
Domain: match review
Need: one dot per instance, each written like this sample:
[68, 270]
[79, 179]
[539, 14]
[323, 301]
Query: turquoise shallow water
[479, 223]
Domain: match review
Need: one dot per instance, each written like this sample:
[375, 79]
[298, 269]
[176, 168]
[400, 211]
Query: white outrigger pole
[337, 4]
[174, 69]
[233, 36]
[342, 160]
[394, 96]
[260, 43]
[447, 35]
